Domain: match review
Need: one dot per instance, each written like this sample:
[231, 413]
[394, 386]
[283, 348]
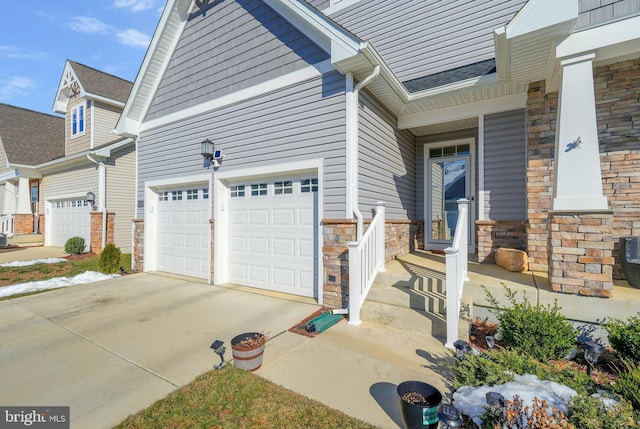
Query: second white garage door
[183, 232]
[272, 234]
[70, 218]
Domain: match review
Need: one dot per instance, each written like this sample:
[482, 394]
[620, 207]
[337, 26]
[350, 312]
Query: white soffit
[539, 14]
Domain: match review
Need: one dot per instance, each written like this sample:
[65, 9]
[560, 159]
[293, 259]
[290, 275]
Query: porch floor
[423, 264]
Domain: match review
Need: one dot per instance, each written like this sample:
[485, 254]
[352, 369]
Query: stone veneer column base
[581, 254]
[97, 230]
[22, 224]
[493, 234]
[138, 245]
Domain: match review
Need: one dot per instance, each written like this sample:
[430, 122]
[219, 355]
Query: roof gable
[29, 137]
[87, 82]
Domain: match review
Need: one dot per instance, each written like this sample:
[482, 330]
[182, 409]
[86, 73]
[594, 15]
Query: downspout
[101, 196]
[352, 146]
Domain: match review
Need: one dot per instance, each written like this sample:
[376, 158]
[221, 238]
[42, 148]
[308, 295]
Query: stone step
[27, 240]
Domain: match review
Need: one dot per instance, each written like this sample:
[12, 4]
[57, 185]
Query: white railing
[366, 259]
[6, 225]
[456, 270]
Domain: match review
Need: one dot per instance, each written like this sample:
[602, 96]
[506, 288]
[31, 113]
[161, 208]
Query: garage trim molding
[220, 180]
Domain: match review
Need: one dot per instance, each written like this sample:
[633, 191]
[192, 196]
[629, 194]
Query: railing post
[380, 242]
[463, 210]
[452, 295]
[355, 283]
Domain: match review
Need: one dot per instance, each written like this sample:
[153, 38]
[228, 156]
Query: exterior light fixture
[462, 349]
[592, 352]
[496, 403]
[449, 416]
[210, 155]
[91, 198]
[218, 348]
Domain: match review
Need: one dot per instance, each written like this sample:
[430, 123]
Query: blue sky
[38, 36]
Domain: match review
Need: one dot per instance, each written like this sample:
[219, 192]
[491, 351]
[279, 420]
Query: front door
[449, 178]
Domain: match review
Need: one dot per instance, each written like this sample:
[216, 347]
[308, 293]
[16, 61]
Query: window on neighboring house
[77, 120]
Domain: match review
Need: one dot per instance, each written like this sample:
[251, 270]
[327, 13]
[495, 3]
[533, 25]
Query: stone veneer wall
[138, 245]
[617, 92]
[581, 253]
[401, 237]
[96, 230]
[617, 95]
[494, 234]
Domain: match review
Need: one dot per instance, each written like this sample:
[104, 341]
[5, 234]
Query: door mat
[300, 328]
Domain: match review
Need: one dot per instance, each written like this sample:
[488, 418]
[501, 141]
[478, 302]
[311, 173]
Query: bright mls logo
[34, 417]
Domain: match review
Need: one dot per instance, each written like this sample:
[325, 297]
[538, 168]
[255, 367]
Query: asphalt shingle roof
[100, 83]
[450, 76]
[30, 137]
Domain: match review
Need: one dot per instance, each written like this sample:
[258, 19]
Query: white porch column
[9, 198]
[23, 196]
[578, 178]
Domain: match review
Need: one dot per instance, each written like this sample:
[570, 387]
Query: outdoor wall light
[449, 416]
[496, 403]
[218, 348]
[210, 155]
[91, 198]
[592, 352]
[462, 349]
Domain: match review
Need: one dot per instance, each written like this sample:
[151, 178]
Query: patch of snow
[33, 262]
[56, 282]
[472, 400]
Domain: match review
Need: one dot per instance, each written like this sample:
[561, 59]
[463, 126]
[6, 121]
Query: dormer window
[77, 120]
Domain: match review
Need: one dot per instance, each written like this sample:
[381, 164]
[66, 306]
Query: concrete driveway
[112, 348]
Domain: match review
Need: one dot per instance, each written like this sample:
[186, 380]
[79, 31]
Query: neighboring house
[53, 164]
[322, 108]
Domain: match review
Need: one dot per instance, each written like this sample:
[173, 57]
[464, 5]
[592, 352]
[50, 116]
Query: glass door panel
[449, 180]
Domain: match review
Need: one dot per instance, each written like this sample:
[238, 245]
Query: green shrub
[74, 245]
[624, 337]
[588, 412]
[628, 385]
[110, 259]
[494, 367]
[535, 330]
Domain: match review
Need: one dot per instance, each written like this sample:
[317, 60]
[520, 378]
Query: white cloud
[133, 37]
[15, 86]
[85, 24]
[134, 5]
[16, 53]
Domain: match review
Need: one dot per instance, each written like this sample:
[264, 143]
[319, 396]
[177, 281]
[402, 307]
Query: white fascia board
[538, 14]
[244, 94]
[9, 175]
[322, 30]
[343, 4]
[625, 32]
[103, 99]
[106, 150]
[26, 171]
[64, 162]
[385, 72]
[174, 8]
[502, 48]
[60, 106]
[471, 110]
[478, 81]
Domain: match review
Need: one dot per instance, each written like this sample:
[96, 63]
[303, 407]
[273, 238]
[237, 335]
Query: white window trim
[75, 109]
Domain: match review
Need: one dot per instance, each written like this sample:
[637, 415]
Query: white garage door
[70, 218]
[182, 243]
[272, 234]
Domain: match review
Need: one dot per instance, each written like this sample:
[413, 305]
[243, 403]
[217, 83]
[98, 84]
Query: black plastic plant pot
[419, 416]
[629, 251]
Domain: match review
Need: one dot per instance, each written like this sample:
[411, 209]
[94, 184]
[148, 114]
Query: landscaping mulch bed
[298, 328]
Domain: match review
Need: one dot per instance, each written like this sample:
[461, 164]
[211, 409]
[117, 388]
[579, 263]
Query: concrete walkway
[10, 254]
[112, 348]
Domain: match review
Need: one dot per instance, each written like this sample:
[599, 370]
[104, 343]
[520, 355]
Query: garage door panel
[280, 232]
[69, 218]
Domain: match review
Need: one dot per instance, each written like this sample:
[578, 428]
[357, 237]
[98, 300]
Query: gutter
[101, 195]
[352, 146]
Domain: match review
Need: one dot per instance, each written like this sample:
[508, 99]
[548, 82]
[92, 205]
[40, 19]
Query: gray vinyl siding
[104, 121]
[4, 162]
[303, 121]
[387, 162]
[233, 46]
[505, 166]
[421, 37]
[595, 12]
[75, 182]
[319, 4]
[420, 157]
[121, 195]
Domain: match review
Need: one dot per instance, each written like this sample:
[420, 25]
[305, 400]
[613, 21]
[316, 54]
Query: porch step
[26, 240]
[411, 297]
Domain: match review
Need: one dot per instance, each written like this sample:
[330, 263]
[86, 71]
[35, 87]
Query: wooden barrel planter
[247, 350]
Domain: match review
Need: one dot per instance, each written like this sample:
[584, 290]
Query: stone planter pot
[419, 416]
[248, 356]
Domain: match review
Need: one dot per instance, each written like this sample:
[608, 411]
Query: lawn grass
[234, 398]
